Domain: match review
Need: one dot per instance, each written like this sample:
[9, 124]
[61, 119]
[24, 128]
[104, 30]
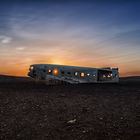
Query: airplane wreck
[53, 74]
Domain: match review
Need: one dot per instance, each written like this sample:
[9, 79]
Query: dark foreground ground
[30, 110]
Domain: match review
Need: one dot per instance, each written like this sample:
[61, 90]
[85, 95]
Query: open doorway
[104, 75]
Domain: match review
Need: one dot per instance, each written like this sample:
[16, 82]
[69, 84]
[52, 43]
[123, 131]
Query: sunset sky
[83, 33]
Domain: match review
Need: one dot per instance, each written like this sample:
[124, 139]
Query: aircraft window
[31, 67]
[82, 74]
[68, 73]
[109, 75]
[55, 71]
[76, 73]
[50, 71]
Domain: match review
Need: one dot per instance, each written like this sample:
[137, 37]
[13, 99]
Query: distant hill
[7, 78]
[130, 79]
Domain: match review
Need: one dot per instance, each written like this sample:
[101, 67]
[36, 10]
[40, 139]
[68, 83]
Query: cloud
[5, 39]
[20, 48]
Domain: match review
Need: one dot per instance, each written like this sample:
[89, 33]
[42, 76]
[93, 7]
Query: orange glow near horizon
[19, 70]
[66, 51]
[17, 62]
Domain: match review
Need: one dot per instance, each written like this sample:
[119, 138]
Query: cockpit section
[32, 71]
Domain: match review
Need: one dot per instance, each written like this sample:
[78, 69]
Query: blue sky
[84, 33]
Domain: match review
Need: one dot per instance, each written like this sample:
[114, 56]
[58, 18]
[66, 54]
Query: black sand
[36, 111]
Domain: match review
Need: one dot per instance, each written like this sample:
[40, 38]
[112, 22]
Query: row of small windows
[82, 74]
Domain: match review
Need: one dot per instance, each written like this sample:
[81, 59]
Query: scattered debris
[18, 135]
[72, 121]
[101, 118]
[61, 95]
[121, 118]
[85, 131]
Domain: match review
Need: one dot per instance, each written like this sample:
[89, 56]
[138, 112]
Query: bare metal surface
[52, 73]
